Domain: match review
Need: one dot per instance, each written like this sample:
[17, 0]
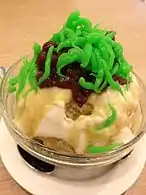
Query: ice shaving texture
[78, 88]
[42, 114]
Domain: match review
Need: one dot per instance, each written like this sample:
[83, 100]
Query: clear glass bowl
[57, 158]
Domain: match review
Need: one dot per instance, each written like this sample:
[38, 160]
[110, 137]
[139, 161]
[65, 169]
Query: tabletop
[24, 22]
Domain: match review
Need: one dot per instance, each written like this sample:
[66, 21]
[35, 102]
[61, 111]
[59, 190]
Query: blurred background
[22, 22]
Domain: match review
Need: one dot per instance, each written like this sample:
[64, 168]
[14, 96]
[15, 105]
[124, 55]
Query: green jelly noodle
[102, 149]
[93, 48]
[110, 120]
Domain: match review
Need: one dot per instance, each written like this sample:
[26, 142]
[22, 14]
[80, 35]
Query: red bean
[47, 45]
[41, 61]
[120, 80]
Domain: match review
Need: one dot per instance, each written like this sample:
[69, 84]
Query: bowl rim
[79, 157]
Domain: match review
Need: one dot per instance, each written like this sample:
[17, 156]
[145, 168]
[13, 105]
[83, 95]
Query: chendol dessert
[77, 93]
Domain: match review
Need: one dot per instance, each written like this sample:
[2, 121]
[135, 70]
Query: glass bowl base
[116, 181]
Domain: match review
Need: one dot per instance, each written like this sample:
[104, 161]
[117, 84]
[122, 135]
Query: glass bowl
[63, 160]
